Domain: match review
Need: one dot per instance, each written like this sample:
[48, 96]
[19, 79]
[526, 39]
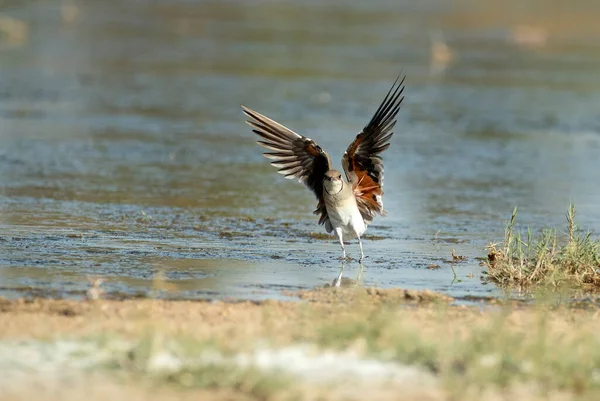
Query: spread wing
[294, 155]
[362, 161]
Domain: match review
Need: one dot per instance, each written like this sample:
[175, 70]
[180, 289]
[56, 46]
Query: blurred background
[124, 153]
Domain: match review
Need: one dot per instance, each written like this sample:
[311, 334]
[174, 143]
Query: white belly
[348, 219]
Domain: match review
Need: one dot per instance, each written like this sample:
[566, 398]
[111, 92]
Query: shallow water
[124, 153]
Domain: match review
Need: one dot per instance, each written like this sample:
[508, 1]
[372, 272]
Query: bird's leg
[338, 231]
[362, 255]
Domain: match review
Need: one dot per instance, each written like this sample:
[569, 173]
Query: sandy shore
[403, 335]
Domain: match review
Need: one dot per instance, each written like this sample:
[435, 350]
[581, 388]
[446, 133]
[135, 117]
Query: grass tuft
[524, 261]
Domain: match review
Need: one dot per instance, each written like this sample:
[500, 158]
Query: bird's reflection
[341, 281]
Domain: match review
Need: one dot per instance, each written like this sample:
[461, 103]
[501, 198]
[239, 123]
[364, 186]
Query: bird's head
[333, 181]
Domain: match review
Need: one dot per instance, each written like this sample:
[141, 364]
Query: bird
[347, 203]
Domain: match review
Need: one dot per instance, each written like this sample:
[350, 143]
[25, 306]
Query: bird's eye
[339, 177]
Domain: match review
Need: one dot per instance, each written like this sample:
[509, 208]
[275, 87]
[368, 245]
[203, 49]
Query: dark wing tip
[384, 119]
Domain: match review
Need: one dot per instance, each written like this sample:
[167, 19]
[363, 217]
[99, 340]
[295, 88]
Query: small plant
[543, 260]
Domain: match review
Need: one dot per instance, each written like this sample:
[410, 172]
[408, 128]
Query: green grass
[545, 260]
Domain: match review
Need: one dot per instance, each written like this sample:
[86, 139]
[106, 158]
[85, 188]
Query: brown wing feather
[361, 161]
[294, 155]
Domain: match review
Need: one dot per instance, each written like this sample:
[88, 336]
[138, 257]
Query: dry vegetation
[491, 352]
[545, 260]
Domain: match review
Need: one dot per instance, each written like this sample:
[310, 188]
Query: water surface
[124, 153]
